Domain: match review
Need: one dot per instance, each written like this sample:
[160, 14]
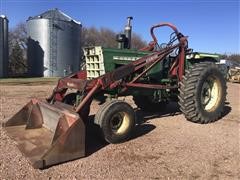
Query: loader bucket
[47, 134]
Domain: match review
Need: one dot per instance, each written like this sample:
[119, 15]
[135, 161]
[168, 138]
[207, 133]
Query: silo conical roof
[54, 14]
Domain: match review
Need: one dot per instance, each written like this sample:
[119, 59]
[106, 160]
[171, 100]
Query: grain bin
[54, 46]
[3, 46]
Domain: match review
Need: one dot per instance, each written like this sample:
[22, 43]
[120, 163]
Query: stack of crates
[94, 61]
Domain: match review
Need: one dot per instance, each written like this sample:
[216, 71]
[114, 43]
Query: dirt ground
[164, 145]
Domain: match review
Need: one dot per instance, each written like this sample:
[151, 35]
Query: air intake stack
[124, 40]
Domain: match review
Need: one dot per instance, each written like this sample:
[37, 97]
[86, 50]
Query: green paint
[101, 60]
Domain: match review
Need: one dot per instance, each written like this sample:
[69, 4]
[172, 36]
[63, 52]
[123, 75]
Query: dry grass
[29, 81]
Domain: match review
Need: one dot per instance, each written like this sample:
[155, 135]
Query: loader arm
[118, 77]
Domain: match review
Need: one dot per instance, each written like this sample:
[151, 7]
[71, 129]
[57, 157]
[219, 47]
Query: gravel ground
[164, 146]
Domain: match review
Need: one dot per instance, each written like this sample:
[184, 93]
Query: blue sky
[212, 25]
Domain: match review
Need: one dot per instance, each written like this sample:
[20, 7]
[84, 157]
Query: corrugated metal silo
[3, 46]
[54, 46]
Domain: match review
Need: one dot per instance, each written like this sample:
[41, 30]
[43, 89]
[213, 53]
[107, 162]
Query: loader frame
[120, 78]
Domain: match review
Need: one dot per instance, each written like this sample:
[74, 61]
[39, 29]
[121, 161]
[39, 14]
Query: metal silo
[54, 46]
[3, 46]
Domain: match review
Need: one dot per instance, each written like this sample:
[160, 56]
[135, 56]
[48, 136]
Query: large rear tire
[202, 93]
[116, 120]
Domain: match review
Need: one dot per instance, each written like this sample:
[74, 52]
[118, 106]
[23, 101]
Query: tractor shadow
[95, 142]
[227, 109]
[171, 109]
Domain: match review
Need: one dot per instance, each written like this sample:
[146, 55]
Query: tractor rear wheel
[202, 93]
[116, 120]
[145, 104]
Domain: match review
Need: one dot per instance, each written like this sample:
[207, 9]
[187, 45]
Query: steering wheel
[173, 37]
[153, 45]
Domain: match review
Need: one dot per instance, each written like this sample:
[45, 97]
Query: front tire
[116, 120]
[202, 93]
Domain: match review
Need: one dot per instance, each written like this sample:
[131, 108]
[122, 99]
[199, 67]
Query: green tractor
[54, 131]
[201, 90]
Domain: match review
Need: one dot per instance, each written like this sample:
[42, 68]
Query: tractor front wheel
[116, 120]
[202, 93]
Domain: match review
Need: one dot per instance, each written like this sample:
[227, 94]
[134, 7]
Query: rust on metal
[150, 86]
[47, 134]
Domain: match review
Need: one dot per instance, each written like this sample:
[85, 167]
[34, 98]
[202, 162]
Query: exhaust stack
[128, 32]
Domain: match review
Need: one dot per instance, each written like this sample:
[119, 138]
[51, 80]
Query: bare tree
[17, 61]
[18, 50]
[232, 57]
[18, 35]
[107, 38]
[137, 41]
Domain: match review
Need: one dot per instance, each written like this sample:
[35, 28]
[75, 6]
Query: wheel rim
[120, 122]
[211, 93]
